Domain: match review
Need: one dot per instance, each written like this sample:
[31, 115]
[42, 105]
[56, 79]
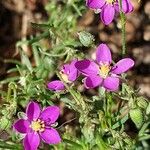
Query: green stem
[77, 9]
[123, 23]
[33, 40]
[76, 95]
[105, 106]
[53, 55]
[109, 107]
[67, 87]
[8, 94]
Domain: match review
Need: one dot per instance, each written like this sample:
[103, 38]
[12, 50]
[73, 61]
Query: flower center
[65, 77]
[110, 1]
[104, 70]
[38, 125]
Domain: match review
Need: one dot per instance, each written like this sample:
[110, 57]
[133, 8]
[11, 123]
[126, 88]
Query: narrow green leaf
[74, 144]
[36, 55]
[25, 60]
[9, 80]
[13, 61]
[40, 26]
[144, 127]
[145, 137]
[120, 122]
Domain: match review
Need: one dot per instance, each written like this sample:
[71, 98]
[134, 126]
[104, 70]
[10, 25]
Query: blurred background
[16, 16]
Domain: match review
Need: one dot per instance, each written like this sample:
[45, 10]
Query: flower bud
[142, 103]
[148, 109]
[4, 123]
[137, 117]
[88, 131]
[86, 38]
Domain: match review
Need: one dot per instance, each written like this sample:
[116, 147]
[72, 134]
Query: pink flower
[101, 73]
[69, 73]
[38, 125]
[108, 8]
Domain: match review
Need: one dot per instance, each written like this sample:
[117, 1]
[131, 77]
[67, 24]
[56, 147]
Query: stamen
[97, 11]
[104, 70]
[38, 125]
[110, 1]
[43, 125]
[41, 130]
[42, 122]
[38, 120]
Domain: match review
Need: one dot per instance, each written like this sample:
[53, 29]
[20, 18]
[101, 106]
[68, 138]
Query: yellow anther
[104, 70]
[110, 1]
[37, 125]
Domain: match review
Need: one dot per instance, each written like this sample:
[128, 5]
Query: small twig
[66, 123]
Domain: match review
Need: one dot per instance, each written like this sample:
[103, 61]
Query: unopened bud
[142, 103]
[86, 38]
[148, 109]
[137, 117]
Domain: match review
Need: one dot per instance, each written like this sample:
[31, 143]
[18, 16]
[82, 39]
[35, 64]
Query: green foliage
[137, 117]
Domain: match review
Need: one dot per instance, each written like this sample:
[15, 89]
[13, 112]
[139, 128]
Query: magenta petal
[50, 136]
[56, 85]
[103, 54]
[65, 68]
[87, 67]
[127, 6]
[70, 70]
[33, 111]
[111, 83]
[50, 114]
[31, 141]
[92, 81]
[107, 14]
[73, 72]
[95, 4]
[116, 6]
[122, 66]
[22, 125]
